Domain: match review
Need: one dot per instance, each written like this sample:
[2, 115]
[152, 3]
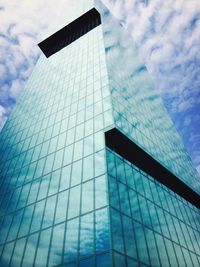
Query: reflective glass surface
[138, 110]
[150, 224]
[53, 198]
[66, 199]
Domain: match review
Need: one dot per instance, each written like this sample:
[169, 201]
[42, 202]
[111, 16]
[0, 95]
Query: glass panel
[68, 152]
[171, 252]
[78, 150]
[99, 141]
[88, 168]
[71, 241]
[61, 140]
[74, 202]
[87, 235]
[144, 211]
[48, 164]
[129, 237]
[65, 177]
[33, 192]
[76, 173]
[55, 256]
[15, 225]
[119, 260]
[26, 220]
[102, 230]
[135, 205]
[37, 216]
[154, 258]
[162, 250]
[113, 193]
[87, 196]
[179, 255]
[103, 260]
[44, 186]
[87, 262]
[58, 159]
[124, 199]
[132, 263]
[141, 243]
[100, 192]
[18, 252]
[7, 253]
[43, 248]
[49, 211]
[54, 183]
[117, 231]
[30, 250]
[61, 208]
[99, 163]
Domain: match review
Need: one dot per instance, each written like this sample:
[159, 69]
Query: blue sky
[166, 33]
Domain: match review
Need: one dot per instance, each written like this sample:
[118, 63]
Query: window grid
[171, 227]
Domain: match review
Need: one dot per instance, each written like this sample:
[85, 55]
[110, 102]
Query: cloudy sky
[167, 34]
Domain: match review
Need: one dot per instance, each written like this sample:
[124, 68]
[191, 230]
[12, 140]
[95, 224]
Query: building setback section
[70, 33]
[126, 148]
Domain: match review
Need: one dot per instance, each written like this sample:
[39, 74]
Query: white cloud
[15, 89]
[2, 71]
[3, 116]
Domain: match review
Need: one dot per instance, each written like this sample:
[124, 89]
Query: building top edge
[70, 32]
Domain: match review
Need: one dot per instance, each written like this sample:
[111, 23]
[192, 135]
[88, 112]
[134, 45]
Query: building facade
[92, 170]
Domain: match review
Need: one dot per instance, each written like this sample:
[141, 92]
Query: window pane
[87, 196]
[43, 187]
[103, 260]
[74, 202]
[102, 230]
[76, 173]
[25, 224]
[162, 250]
[18, 252]
[68, 155]
[71, 242]
[37, 217]
[87, 234]
[87, 262]
[78, 150]
[30, 250]
[58, 159]
[54, 183]
[55, 256]
[100, 192]
[43, 248]
[65, 177]
[124, 199]
[113, 192]
[117, 231]
[49, 211]
[119, 260]
[88, 168]
[129, 237]
[100, 163]
[152, 247]
[141, 243]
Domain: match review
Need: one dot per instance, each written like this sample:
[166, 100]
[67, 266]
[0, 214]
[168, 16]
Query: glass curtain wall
[53, 198]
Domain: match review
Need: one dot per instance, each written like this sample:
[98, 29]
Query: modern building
[93, 172]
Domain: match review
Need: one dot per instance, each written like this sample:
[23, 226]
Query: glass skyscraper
[92, 170]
